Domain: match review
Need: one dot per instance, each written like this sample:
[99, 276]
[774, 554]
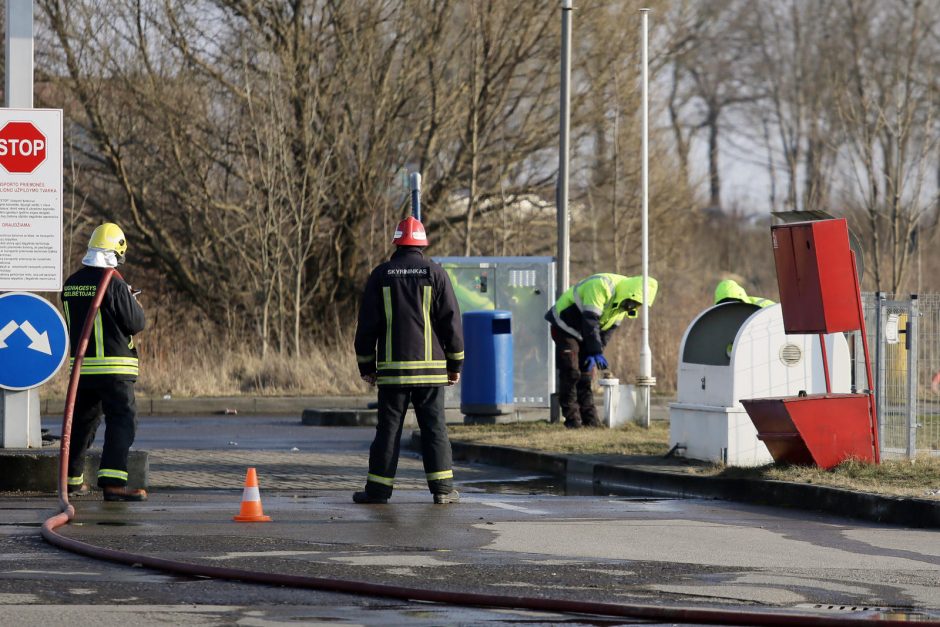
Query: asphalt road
[501, 539]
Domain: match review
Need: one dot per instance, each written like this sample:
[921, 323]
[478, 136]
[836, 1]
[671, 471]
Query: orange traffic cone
[251, 501]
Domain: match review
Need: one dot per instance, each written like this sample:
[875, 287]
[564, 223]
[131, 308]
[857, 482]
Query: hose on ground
[644, 612]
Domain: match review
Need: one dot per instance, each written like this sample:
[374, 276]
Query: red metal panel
[821, 429]
[777, 431]
[815, 277]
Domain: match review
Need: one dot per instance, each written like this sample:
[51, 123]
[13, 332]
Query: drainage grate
[820, 607]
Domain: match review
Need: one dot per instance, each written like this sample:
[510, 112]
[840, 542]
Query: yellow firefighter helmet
[109, 236]
[730, 290]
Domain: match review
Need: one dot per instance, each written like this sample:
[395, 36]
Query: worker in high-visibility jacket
[730, 291]
[409, 342]
[109, 367]
[582, 321]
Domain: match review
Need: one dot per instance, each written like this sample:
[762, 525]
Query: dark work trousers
[575, 393]
[97, 393]
[428, 403]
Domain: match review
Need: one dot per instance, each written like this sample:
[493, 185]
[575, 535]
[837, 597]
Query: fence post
[879, 364]
[911, 343]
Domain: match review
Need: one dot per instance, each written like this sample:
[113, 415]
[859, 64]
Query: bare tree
[887, 114]
[708, 49]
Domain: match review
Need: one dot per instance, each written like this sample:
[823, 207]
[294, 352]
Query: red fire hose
[66, 509]
[647, 612]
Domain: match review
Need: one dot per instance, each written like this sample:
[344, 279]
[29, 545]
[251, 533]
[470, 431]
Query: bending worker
[729, 291]
[109, 369]
[409, 342]
[582, 321]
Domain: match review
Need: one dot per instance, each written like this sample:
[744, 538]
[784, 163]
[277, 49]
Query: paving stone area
[280, 470]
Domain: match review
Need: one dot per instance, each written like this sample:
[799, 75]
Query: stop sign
[22, 147]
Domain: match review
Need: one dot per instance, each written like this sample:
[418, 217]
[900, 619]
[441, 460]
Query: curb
[37, 470]
[909, 512]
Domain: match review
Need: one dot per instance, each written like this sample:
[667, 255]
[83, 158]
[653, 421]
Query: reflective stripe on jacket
[111, 349]
[409, 330]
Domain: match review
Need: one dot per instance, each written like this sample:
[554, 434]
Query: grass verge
[919, 477]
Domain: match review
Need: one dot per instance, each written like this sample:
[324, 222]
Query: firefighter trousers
[115, 398]
[575, 393]
[428, 403]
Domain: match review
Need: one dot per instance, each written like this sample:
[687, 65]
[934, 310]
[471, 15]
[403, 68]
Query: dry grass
[191, 371]
[915, 478]
[554, 438]
[919, 477]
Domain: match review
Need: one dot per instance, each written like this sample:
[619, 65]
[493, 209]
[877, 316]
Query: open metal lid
[818, 214]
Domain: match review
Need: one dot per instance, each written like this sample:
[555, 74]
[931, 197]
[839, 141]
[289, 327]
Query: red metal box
[815, 274]
[820, 429]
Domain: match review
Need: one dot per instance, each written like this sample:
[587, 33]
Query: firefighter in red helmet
[409, 342]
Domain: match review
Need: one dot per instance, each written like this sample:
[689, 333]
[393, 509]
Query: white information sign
[30, 200]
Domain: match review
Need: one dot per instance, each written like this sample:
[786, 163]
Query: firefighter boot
[123, 493]
[79, 490]
[364, 498]
[443, 499]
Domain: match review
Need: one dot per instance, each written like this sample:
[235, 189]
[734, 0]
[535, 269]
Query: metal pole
[19, 410]
[877, 388]
[415, 181]
[825, 362]
[19, 51]
[561, 199]
[911, 340]
[646, 380]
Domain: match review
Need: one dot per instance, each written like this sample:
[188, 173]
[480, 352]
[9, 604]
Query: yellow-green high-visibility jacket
[760, 302]
[409, 331]
[729, 290]
[590, 310]
[111, 349]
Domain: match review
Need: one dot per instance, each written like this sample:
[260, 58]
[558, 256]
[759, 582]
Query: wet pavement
[512, 534]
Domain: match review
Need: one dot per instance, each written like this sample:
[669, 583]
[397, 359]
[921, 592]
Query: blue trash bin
[486, 383]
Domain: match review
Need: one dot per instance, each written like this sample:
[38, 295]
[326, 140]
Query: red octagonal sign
[22, 147]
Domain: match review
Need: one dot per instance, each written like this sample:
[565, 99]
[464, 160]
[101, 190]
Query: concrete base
[20, 423]
[369, 417]
[489, 419]
[716, 434]
[479, 409]
[339, 417]
[37, 470]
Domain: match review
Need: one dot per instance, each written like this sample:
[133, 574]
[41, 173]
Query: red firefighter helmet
[410, 232]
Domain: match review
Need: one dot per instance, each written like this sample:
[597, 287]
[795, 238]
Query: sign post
[30, 203]
[30, 245]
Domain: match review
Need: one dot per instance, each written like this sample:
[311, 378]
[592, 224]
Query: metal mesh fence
[904, 344]
[927, 384]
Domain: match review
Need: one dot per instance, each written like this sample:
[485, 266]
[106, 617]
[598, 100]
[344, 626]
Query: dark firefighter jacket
[409, 330]
[111, 348]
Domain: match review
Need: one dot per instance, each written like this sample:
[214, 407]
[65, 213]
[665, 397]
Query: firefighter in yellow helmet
[582, 320]
[109, 368]
[729, 291]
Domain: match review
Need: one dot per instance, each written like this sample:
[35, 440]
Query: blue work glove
[594, 360]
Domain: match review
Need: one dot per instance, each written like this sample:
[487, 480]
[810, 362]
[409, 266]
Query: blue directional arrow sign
[34, 340]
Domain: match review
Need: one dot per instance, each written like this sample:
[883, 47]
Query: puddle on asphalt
[553, 486]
